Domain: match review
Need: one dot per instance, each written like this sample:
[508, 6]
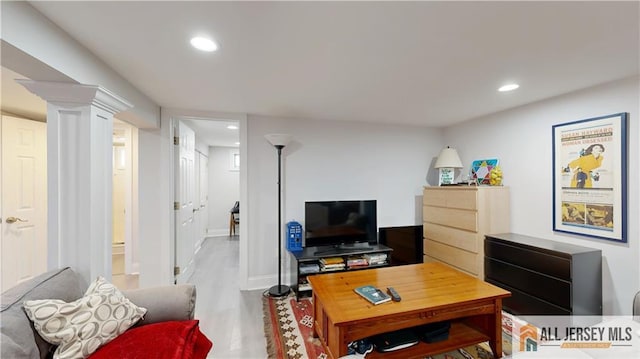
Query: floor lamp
[279, 141]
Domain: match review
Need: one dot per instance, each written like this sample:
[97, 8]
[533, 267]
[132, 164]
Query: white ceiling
[422, 63]
[215, 133]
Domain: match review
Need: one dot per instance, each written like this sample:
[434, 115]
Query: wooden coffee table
[431, 292]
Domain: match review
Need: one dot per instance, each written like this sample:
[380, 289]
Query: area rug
[288, 327]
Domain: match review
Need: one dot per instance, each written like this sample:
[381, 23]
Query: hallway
[231, 318]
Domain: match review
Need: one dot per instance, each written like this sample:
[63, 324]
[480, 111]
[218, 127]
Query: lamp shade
[279, 139]
[448, 158]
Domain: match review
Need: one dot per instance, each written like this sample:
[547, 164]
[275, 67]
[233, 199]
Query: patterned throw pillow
[79, 328]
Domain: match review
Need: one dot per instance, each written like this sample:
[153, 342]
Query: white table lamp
[447, 162]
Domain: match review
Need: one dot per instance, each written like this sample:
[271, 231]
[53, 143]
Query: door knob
[15, 219]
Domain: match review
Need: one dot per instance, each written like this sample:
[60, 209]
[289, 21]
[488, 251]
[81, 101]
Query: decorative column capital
[69, 95]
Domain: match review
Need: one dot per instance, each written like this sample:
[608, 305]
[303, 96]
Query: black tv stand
[342, 249]
[309, 260]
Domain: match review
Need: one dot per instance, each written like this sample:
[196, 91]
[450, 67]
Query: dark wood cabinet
[544, 277]
[406, 242]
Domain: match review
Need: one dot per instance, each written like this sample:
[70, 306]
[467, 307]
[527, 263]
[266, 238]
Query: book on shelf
[309, 268]
[332, 267]
[332, 264]
[332, 260]
[357, 261]
[372, 294]
[356, 266]
[376, 258]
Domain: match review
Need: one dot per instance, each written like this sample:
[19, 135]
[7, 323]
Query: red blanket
[165, 340]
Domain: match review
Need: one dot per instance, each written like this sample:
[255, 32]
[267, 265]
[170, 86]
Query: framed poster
[590, 177]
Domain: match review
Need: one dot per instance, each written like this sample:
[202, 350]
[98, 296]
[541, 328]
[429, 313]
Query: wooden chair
[234, 218]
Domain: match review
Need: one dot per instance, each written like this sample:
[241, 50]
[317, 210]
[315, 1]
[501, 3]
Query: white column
[79, 170]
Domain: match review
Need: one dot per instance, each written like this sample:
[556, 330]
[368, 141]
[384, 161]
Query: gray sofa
[18, 338]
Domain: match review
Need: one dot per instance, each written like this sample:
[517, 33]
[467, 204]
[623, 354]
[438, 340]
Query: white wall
[201, 146]
[224, 189]
[155, 207]
[521, 139]
[37, 48]
[331, 161]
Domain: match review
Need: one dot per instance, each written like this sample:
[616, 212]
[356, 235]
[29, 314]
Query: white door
[197, 216]
[24, 200]
[204, 195]
[185, 199]
[200, 205]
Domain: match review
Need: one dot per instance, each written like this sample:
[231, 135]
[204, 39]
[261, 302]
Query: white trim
[70, 94]
[217, 232]
[167, 117]
[243, 275]
[186, 273]
[260, 282]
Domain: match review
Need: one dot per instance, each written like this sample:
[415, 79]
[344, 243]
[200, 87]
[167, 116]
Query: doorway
[24, 199]
[207, 185]
[124, 266]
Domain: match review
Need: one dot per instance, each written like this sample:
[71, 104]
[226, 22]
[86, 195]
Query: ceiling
[419, 63]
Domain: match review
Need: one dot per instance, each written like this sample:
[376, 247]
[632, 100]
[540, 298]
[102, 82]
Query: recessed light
[204, 44]
[237, 143]
[232, 127]
[508, 87]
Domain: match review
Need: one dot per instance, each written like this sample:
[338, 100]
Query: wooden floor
[231, 318]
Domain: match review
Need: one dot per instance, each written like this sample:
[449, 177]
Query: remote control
[394, 295]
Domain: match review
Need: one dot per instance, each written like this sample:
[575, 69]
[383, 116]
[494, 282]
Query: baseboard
[265, 282]
[185, 273]
[217, 232]
[198, 246]
[261, 282]
[135, 268]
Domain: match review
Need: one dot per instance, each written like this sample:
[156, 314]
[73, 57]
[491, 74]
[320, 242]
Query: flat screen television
[340, 225]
